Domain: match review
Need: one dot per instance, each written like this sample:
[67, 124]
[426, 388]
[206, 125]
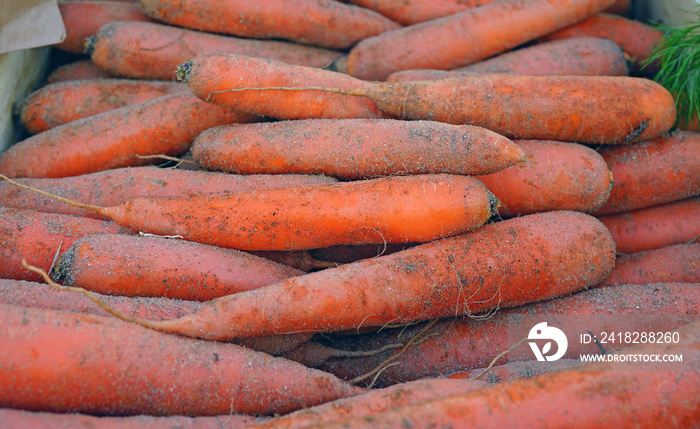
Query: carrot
[323, 23]
[160, 267]
[515, 370]
[63, 362]
[83, 19]
[655, 172]
[153, 51]
[37, 237]
[465, 37]
[81, 69]
[354, 148]
[519, 107]
[605, 394]
[40, 295]
[37, 420]
[467, 343]
[655, 227]
[396, 209]
[209, 73]
[62, 102]
[165, 125]
[438, 279]
[114, 187]
[676, 263]
[409, 12]
[581, 56]
[373, 402]
[636, 38]
[555, 176]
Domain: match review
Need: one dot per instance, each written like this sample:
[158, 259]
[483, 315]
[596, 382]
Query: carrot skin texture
[323, 23]
[354, 148]
[373, 402]
[465, 37]
[654, 172]
[515, 370]
[580, 56]
[221, 71]
[83, 19]
[81, 69]
[555, 176]
[161, 267]
[153, 51]
[438, 279]
[655, 227]
[36, 237]
[396, 209]
[537, 107]
[63, 102]
[463, 344]
[114, 187]
[676, 263]
[65, 362]
[165, 125]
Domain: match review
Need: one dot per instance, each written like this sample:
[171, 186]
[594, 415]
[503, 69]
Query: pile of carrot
[300, 213]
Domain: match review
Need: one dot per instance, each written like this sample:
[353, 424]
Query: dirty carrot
[354, 148]
[466, 37]
[655, 227]
[323, 23]
[114, 187]
[395, 209]
[211, 75]
[160, 267]
[153, 51]
[515, 370]
[438, 279]
[83, 19]
[64, 362]
[649, 173]
[519, 107]
[165, 125]
[39, 237]
[554, 176]
[81, 69]
[676, 263]
[580, 56]
[62, 102]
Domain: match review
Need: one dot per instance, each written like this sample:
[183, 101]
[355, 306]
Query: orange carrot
[555, 176]
[37, 420]
[467, 343]
[324, 23]
[82, 69]
[515, 370]
[606, 394]
[153, 51]
[298, 259]
[636, 38]
[581, 56]
[373, 402]
[442, 278]
[465, 37]
[160, 267]
[655, 172]
[211, 75]
[62, 102]
[677, 263]
[165, 125]
[655, 227]
[83, 19]
[64, 362]
[354, 148]
[396, 209]
[114, 187]
[38, 237]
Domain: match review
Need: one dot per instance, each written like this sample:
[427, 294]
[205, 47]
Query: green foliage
[678, 57]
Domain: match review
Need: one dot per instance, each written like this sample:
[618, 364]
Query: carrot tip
[182, 74]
